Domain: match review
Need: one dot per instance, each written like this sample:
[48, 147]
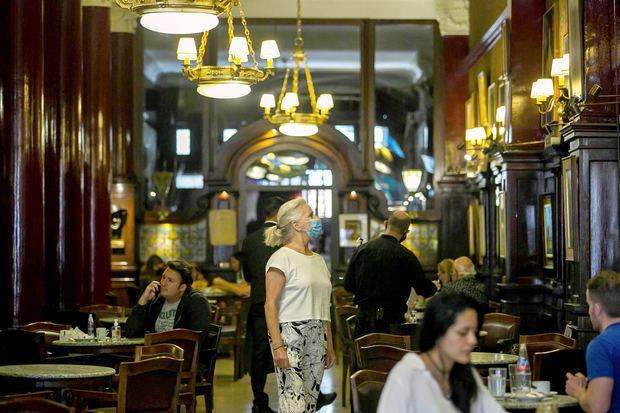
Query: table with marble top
[124, 345]
[520, 404]
[53, 376]
[492, 359]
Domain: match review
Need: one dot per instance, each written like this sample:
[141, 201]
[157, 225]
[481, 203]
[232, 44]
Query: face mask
[315, 228]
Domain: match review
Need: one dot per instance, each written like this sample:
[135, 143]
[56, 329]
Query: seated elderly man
[464, 281]
[170, 303]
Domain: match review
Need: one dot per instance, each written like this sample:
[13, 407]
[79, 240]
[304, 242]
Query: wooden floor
[237, 396]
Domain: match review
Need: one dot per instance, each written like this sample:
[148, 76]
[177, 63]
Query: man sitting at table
[170, 303]
[600, 391]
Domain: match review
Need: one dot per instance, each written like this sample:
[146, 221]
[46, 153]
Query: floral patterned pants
[306, 346]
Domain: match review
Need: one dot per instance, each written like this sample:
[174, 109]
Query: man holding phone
[170, 303]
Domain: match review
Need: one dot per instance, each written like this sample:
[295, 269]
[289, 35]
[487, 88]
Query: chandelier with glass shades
[177, 16]
[234, 80]
[289, 120]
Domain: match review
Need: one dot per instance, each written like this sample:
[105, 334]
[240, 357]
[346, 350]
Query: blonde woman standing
[298, 290]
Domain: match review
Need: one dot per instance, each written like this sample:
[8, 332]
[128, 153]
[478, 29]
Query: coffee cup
[543, 386]
[102, 333]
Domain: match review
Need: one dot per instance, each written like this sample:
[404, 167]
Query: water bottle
[522, 372]
[91, 326]
[116, 331]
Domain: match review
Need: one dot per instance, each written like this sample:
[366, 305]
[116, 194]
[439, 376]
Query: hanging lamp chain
[201, 49]
[247, 35]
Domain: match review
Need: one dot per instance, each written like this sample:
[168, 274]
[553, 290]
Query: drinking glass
[497, 385]
[512, 368]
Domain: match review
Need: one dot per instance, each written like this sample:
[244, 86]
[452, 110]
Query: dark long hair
[441, 313]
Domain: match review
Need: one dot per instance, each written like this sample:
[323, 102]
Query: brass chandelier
[235, 80]
[177, 16]
[289, 120]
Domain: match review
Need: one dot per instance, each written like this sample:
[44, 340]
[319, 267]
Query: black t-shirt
[381, 274]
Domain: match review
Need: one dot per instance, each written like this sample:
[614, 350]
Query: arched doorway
[329, 147]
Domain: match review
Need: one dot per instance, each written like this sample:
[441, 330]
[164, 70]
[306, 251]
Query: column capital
[123, 21]
[453, 17]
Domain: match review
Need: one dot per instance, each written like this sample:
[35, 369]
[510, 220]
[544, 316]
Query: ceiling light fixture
[289, 120]
[177, 16]
[235, 80]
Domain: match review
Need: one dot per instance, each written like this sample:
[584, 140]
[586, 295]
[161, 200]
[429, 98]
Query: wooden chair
[188, 340]
[103, 311]
[502, 330]
[206, 366]
[156, 350]
[366, 387]
[554, 364]
[50, 330]
[341, 297]
[22, 347]
[381, 357]
[371, 339]
[150, 385]
[346, 340]
[234, 335]
[33, 405]
[545, 342]
[409, 329]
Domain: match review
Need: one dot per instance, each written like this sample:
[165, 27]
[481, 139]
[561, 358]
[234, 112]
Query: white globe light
[298, 129]
[224, 90]
[179, 22]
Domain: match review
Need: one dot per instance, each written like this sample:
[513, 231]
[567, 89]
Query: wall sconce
[543, 89]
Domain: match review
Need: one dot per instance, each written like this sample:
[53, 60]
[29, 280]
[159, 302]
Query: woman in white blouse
[298, 290]
[440, 379]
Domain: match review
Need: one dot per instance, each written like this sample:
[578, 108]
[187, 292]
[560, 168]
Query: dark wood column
[96, 110]
[63, 188]
[122, 94]
[455, 93]
[600, 61]
[22, 260]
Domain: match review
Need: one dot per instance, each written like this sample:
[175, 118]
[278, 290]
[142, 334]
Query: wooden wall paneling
[23, 164]
[453, 229]
[96, 118]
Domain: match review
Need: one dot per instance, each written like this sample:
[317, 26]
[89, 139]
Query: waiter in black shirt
[254, 257]
[381, 274]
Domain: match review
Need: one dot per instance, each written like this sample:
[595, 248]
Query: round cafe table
[124, 345]
[558, 400]
[480, 359]
[53, 376]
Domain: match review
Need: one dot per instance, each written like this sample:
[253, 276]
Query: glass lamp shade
[187, 49]
[545, 87]
[325, 102]
[289, 101]
[230, 90]
[269, 50]
[475, 134]
[239, 49]
[267, 101]
[298, 129]
[179, 21]
[500, 114]
[412, 179]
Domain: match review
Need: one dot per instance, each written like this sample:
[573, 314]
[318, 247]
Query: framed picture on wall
[482, 99]
[422, 240]
[569, 193]
[352, 228]
[547, 231]
[469, 112]
[491, 103]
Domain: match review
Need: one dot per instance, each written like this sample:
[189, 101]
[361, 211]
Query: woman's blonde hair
[280, 234]
[446, 267]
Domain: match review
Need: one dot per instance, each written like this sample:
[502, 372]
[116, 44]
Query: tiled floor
[237, 396]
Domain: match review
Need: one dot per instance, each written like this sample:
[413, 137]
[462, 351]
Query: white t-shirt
[307, 290]
[410, 388]
[165, 319]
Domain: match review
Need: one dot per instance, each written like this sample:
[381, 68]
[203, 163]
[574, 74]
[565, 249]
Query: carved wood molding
[486, 43]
